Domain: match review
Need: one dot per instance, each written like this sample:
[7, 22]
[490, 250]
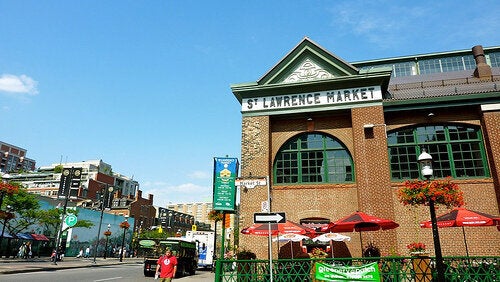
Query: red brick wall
[373, 192]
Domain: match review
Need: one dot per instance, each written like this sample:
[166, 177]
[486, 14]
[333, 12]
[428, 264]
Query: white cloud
[165, 193]
[22, 84]
[199, 175]
[364, 19]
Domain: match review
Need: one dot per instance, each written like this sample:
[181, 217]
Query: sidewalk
[9, 265]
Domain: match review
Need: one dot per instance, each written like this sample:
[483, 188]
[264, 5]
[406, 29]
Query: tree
[27, 210]
[51, 220]
[58, 169]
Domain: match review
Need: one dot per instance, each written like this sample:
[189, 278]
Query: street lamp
[169, 221]
[125, 225]
[425, 161]
[103, 204]
[107, 233]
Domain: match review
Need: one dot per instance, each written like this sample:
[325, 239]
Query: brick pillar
[375, 195]
[255, 161]
[491, 132]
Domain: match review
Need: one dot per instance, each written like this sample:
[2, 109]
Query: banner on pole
[225, 173]
[366, 272]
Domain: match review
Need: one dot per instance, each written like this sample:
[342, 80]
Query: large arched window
[313, 158]
[457, 151]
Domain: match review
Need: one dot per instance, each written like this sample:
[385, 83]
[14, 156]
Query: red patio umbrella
[359, 222]
[460, 217]
[289, 227]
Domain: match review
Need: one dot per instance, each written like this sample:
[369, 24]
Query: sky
[145, 85]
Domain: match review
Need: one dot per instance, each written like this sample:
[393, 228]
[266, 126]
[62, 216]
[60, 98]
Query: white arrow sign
[278, 217]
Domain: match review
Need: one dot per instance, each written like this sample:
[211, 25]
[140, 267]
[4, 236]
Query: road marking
[108, 279]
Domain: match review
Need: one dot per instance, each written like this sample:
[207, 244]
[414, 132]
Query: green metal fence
[458, 269]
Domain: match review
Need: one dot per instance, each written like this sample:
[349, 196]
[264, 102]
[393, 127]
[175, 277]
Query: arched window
[457, 151]
[313, 158]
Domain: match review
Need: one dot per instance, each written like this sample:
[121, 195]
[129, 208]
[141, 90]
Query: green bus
[184, 250]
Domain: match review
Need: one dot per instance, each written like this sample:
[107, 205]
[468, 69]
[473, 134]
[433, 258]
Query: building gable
[307, 62]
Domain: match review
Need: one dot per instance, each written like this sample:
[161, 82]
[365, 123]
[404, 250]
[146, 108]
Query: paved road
[11, 266]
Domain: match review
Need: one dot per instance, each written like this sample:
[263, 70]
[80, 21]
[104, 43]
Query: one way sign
[276, 217]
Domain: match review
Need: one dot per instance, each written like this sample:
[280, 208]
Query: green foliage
[26, 208]
[154, 234]
[51, 220]
[58, 169]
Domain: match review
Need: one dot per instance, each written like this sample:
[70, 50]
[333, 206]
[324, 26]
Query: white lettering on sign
[330, 97]
[250, 183]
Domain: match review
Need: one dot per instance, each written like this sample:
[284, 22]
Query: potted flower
[416, 248]
[443, 192]
[124, 225]
[215, 215]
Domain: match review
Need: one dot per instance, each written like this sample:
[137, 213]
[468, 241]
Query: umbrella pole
[291, 248]
[361, 242]
[331, 248]
[278, 243]
[465, 242]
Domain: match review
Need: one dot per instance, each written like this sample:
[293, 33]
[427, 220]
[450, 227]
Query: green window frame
[457, 151]
[313, 158]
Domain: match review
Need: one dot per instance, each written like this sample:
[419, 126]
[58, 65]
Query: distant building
[198, 210]
[13, 159]
[95, 175]
[99, 187]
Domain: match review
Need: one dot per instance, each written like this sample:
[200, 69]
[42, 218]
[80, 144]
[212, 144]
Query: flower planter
[421, 267]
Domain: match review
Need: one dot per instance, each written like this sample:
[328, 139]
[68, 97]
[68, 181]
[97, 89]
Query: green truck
[184, 250]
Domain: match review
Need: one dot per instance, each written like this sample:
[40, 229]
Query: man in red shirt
[166, 266]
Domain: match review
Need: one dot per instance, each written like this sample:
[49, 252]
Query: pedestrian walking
[166, 266]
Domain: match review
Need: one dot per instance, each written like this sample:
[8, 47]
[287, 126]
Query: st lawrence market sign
[313, 99]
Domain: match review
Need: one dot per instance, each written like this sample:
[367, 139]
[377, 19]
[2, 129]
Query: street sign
[250, 182]
[275, 217]
[264, 206]
[71, 220]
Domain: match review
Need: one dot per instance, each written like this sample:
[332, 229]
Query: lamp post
[125, 225]
[107, 233]
[425, 161]
[103, 204]
[169, 227]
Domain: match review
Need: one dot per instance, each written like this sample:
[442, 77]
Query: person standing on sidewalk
[166, 266]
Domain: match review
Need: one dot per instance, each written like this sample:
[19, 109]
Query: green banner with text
[366, 272]
[225, 173]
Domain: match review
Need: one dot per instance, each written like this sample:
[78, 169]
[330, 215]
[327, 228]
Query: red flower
[107, 233]
[215, 215]
[416, 247]
[444, 192]
[124, 225]
[8, 188]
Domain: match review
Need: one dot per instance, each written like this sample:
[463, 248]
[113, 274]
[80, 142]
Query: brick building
[337, 137]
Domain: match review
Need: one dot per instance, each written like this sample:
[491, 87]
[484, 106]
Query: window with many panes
[494, 59]
[456, 150]
[313, 158]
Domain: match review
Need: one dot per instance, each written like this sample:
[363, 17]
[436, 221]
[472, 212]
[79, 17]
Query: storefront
[337, 137]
